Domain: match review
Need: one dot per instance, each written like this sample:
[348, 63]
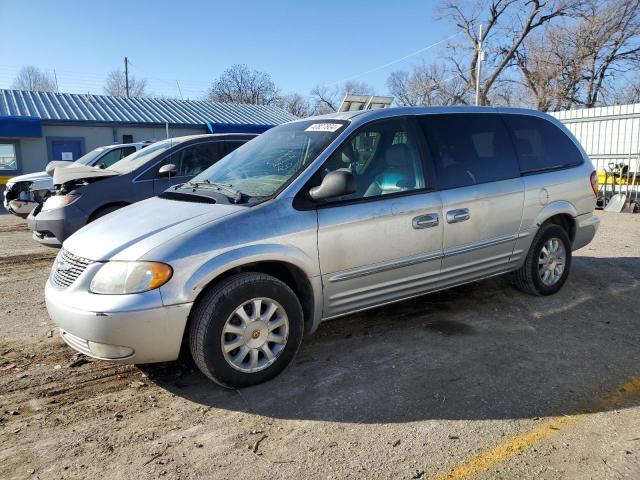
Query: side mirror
[334, 184]
[168, 170]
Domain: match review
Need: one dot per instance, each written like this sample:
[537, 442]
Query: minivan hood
[79, 172]
[129, 233]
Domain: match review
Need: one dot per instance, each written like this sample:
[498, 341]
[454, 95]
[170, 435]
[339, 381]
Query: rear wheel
[246, 330]
[548, 262]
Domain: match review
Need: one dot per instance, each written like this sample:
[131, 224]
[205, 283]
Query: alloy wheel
[255, 334]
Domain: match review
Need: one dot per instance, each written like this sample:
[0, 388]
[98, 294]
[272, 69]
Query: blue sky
[300, 43]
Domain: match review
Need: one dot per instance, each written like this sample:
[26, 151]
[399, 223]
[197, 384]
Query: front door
[66, 149]
[384, 242]
[482, 193]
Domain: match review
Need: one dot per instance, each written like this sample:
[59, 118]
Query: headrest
[347, 155]
[397, 155]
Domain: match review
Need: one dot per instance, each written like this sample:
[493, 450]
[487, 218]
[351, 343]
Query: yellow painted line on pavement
[517, 444]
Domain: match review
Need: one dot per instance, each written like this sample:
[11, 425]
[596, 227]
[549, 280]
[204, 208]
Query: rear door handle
[458, 215]
[425, 221]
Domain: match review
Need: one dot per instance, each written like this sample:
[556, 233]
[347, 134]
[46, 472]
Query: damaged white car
[24, 193]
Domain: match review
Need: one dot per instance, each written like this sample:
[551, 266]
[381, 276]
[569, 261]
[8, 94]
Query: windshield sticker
[323, 127]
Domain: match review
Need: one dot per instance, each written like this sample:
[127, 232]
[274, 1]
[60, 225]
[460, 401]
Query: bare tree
[628, 92]
[427, 84]
[507, 23]
[116, 85]
[327, 100]
[34, 79]
[552, 68]
[576, 63]
[611, 35]
[239, 84]
[295, 104]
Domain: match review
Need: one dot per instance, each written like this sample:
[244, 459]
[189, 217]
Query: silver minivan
[320, 218]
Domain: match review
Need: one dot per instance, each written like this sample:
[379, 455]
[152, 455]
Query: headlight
[58, 201]
[117, 278]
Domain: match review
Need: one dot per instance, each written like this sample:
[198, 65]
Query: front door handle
[425, 221]
[458, 215]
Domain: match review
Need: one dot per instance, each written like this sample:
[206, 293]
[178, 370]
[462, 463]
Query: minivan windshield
[259, 168]
[91, 156]
[139, 158]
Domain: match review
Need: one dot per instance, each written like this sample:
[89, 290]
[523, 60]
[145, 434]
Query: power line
[398, 60]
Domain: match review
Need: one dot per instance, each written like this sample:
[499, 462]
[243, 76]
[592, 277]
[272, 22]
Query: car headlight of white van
[58, 201]
[118, 278]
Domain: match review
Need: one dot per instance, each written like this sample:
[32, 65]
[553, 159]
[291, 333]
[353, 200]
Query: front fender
[250, 254]
[245, 255]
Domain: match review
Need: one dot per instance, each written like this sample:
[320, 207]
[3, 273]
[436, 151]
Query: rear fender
[556, 208]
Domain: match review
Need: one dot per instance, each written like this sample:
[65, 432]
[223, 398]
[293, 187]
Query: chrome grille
[67, 268]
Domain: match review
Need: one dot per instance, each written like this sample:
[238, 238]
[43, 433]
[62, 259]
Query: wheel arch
[291, 266]
[97, 210]
[560, 213]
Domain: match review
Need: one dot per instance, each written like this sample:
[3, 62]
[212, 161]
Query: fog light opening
[112, 352]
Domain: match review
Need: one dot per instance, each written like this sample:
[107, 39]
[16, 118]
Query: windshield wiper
[234, 194]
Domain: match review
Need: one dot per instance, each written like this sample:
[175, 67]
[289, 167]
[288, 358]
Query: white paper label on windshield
[323, 127]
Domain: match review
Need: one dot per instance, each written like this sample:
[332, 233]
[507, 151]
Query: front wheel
[246, 330]
[548, 262]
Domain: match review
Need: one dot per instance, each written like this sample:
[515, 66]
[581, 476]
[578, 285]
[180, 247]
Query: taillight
[594, 182]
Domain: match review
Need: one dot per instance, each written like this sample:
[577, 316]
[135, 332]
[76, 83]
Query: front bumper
[15, 205]
[586, 228]
[52, 227]
[20, 208]
[136, 324]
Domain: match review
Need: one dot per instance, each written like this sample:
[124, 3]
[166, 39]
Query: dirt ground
[481, 381]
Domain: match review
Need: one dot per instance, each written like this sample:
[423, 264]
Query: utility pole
[126, 75]
[479, 61]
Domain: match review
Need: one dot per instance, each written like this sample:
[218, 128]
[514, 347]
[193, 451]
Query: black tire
[214, 309]
[101, 212]
[527, 278]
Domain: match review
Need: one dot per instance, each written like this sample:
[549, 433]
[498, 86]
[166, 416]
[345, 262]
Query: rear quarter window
[541, 145]
[469, 149]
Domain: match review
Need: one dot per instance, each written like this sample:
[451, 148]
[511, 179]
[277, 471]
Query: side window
[540, 144]
[384, 158]
[126, 151]
[229, 147]
[109, 158]
[469, 149]
[196, 158]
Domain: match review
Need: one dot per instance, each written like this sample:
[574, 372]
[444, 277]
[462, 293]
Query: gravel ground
[479, 381]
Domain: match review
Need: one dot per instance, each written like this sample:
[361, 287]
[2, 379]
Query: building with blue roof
[38, 127]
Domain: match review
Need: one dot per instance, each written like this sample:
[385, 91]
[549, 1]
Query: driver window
[383, 157]
[198, 158]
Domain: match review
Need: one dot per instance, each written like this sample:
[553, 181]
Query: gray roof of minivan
[363, 116]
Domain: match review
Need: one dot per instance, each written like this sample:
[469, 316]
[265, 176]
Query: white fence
[611, 138]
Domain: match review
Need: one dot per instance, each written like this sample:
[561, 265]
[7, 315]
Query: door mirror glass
[334, 184]
[169, 170]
